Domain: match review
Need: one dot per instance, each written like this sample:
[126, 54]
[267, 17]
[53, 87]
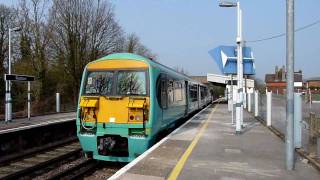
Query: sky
[181, 32]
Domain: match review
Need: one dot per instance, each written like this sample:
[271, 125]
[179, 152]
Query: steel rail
[27, 166]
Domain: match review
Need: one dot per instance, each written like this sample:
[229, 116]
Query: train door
[186, 88]
[162, 97]
[199, 96]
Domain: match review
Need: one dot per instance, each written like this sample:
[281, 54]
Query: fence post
[269, 107]
[318, 147]
[29, 100]
[57, 102]
[249, 102]
[229, 99]
[310, 99]
[256, 103]
[312, 135]
[297, 120]
[245, 100]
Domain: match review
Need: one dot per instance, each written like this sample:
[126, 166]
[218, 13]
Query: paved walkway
[24, 123]
[207, 148]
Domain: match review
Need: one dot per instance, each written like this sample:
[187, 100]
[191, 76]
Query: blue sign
[226, 59]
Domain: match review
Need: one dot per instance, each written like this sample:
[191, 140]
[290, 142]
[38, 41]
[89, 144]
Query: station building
[277, 81]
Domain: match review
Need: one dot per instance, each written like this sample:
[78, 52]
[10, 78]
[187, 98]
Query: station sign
[226, 59]
[18, 77]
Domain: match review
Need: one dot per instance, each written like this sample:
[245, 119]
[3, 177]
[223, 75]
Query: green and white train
[126, 100]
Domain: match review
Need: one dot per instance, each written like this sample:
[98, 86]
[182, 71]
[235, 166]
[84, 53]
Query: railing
[307, 119]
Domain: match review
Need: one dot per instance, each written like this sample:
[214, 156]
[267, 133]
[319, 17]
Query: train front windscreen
[116, 83]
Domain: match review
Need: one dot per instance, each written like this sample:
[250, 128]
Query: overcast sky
[181, 32]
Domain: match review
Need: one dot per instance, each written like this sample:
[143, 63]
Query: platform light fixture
[239, 101]
[8, 113]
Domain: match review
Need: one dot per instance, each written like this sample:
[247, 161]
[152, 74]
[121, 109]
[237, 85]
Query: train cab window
[131, 83]
[99, 83]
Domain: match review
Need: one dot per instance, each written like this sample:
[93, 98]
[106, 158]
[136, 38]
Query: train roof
[132, 56]
[123, 56]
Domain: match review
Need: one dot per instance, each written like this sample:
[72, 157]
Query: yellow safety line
[177, 169]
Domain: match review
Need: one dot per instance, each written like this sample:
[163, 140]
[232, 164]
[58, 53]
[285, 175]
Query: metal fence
[309, 122]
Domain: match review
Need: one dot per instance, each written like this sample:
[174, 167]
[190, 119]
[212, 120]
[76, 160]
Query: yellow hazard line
[177, 169]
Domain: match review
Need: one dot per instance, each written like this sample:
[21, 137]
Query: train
[126, 100]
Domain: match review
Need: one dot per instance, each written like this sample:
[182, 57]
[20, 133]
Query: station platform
[206, 147]
[36, 121]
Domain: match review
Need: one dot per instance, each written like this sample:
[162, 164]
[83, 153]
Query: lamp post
[8, 83]
[290, 84]
[239, 100]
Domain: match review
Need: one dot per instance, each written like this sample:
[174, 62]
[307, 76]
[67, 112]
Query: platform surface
[36, 121]
[207, 148]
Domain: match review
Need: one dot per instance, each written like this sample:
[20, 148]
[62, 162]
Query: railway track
[76, 171]
[28, 165]
[105, 170]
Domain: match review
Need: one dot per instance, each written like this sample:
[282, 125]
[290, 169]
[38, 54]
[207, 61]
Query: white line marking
[143, 155]
[34, 125]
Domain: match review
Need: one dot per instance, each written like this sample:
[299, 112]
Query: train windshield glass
[131, 83]
[99, 83]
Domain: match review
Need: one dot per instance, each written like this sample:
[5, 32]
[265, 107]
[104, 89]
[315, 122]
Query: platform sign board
[18, 77]
[226, 59]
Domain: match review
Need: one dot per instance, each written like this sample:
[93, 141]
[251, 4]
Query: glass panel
[131, 83]
[99, 83]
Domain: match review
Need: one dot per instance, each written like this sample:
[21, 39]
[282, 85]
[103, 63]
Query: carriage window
[178, 91]
[203, 92]
[99, 83]
[193, 91]
[131, 83]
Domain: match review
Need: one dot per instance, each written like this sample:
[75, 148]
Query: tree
[57, 40]
[133, 45]
[34, 43]
[259, 84]
[181, 70]
[82, 32]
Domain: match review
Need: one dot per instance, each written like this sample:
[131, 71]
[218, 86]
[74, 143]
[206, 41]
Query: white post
[269, 107]
[29, 100]
[256, 103]
[310, 99]
[9, 99]
[229, 97]
[297, 120]
[57, 102]
[318, 147]
[249, 102]
[239, 105]
[241, 69]
[9, 64]
[6, 101]
[245, 100]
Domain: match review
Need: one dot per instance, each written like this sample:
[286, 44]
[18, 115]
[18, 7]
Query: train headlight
[138, 118]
